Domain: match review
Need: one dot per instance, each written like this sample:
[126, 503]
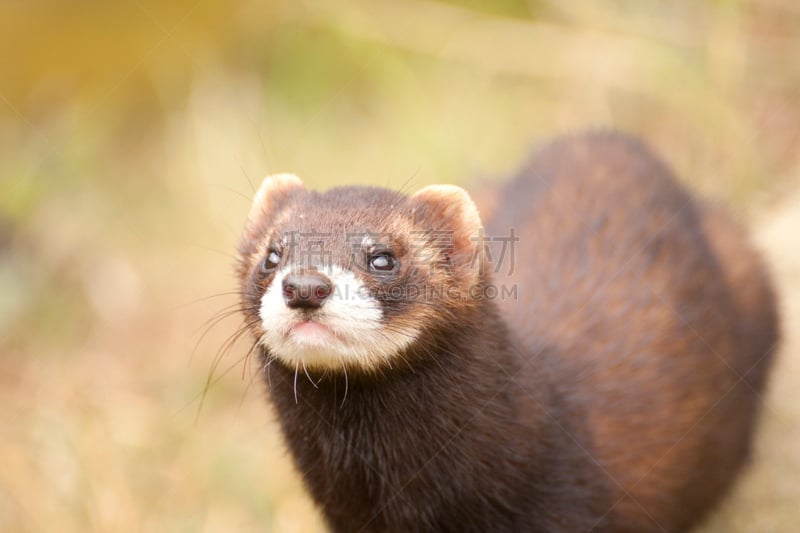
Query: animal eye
[382, 262]
[270, 262]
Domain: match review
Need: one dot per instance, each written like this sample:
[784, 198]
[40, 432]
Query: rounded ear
[450, 209]
[273, 190]
[269, 199]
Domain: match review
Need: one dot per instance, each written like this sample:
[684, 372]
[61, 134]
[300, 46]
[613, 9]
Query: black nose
[306, 290]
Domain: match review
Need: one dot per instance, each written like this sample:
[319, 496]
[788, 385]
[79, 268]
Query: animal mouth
[311, 332]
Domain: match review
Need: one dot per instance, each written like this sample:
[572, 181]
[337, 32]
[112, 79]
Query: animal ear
[268, 201]
[449, 209]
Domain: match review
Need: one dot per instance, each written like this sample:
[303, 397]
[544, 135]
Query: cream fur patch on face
[346, 331]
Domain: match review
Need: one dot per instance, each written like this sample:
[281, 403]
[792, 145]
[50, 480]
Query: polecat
[614, 388]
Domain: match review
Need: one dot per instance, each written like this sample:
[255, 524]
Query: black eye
[270, 262]
[382, 262]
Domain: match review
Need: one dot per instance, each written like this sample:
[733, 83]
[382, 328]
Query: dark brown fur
[618, 392]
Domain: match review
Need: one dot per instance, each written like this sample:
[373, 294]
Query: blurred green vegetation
[132, 133]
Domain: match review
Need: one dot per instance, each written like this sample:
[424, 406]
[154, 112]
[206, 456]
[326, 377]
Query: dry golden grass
[130, 138]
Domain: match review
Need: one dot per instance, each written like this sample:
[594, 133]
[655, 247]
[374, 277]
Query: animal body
[603, 376]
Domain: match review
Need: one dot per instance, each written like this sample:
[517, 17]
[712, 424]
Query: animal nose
[306, 290]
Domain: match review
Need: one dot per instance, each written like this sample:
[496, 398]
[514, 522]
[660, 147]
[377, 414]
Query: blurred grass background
[131, 134]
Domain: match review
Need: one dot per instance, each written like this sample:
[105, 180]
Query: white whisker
[296, 368]
[344, 369]
[305, 370]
